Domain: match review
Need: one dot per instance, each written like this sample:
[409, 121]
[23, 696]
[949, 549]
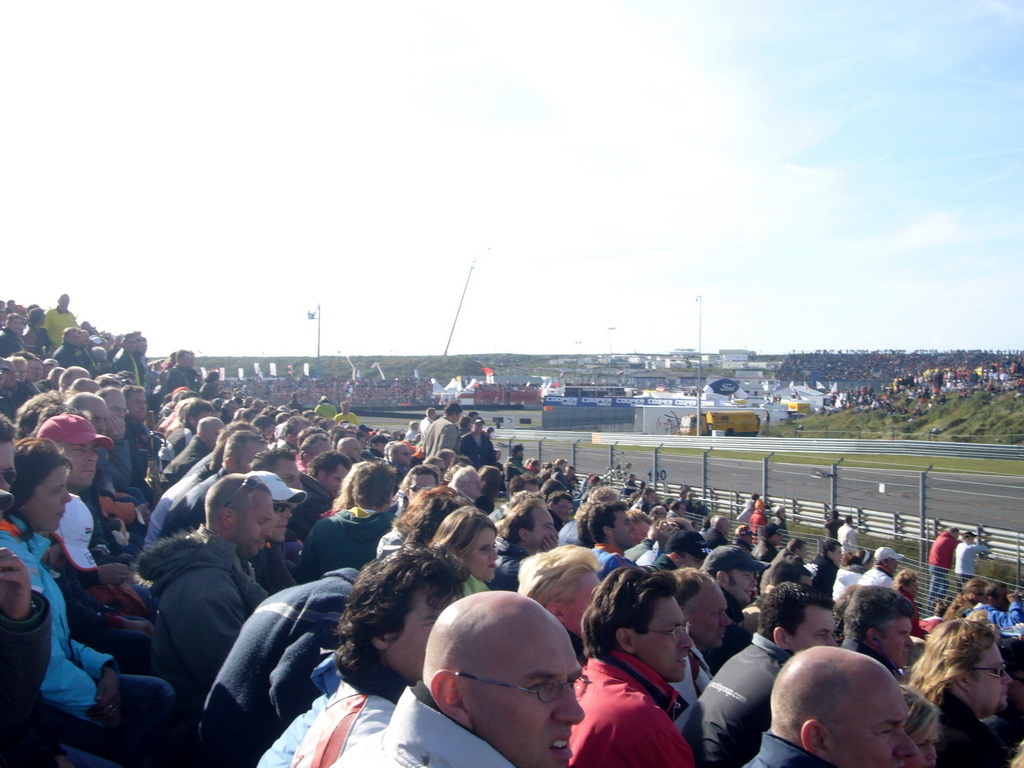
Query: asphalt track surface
[968, 499]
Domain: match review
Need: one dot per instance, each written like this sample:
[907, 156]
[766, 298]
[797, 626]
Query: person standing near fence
[967, 552]
[940, 563]
[848, 535]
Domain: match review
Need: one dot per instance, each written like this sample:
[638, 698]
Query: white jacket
[875, 577]
[419, 736]
[363, 717]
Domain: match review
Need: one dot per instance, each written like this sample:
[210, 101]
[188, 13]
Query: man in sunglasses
[206, 591]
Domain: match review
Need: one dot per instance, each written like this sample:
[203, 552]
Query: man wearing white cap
[881, 574]
[269, 565]
[124, 636]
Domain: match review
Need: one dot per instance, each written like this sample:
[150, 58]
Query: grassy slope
[984, 417]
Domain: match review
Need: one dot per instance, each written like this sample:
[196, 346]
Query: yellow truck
[729, 423]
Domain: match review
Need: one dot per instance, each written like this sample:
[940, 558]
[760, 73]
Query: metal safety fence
[902, 508]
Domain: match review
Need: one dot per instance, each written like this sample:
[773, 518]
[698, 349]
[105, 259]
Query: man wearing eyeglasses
[636, 643]
[487, 698]
[206, 593]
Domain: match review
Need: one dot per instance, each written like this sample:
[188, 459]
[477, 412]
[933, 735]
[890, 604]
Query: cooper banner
[619, 402]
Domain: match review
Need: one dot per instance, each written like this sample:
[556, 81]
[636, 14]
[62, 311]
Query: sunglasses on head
[249, 484]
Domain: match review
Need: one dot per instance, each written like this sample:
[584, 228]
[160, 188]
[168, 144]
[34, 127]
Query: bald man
[349, 446]
[833, 707]
[487, 697]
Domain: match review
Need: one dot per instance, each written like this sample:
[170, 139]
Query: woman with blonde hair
[922, 727]
[469, 535]
[963, 673]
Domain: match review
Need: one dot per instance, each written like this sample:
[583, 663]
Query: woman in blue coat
[119, 717]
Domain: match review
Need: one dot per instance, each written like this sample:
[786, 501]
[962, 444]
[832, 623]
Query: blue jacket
[1004, 618]
[510, 557]
[71, 675]
[778, 753]
[280, 755]
[609, 561]
[264, 683]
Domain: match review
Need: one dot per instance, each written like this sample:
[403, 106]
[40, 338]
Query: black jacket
[824, 574]
[9, 343]
[306, 513]
[68, 355]
[724, 726]
[510, 557]
[481, 455]
[764, 551]
[177, 377]
[194, 452]
[714, 538]
[264, 682]
[966, 740]
[1008, 725]
[857, 647]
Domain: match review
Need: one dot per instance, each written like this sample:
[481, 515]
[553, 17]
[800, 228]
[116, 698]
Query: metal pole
[704, 478]
[315, 315]
[318, 316]
[540, 450]
[700, 323]
[764, 475]
[611, 455]
[922, 512]
[574, 444]
[656, 449]
[457, 311]
[834, 492]
[1018, 561]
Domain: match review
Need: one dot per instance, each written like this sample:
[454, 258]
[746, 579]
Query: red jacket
[622, 724]
[943, 549]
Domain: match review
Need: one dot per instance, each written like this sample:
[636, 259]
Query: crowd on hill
[184, 582]
[359, 392]
[970, 366]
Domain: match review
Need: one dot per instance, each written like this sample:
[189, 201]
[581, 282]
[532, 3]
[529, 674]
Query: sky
[821, 175]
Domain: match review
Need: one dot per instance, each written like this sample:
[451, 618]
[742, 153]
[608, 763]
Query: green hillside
[981, 418]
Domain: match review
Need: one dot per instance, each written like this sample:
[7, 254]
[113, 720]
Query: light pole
[315, 315]
[610, 342]
[700, 321]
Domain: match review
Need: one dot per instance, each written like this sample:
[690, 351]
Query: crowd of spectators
[969, 365]
[359, 392]
[229, 582]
